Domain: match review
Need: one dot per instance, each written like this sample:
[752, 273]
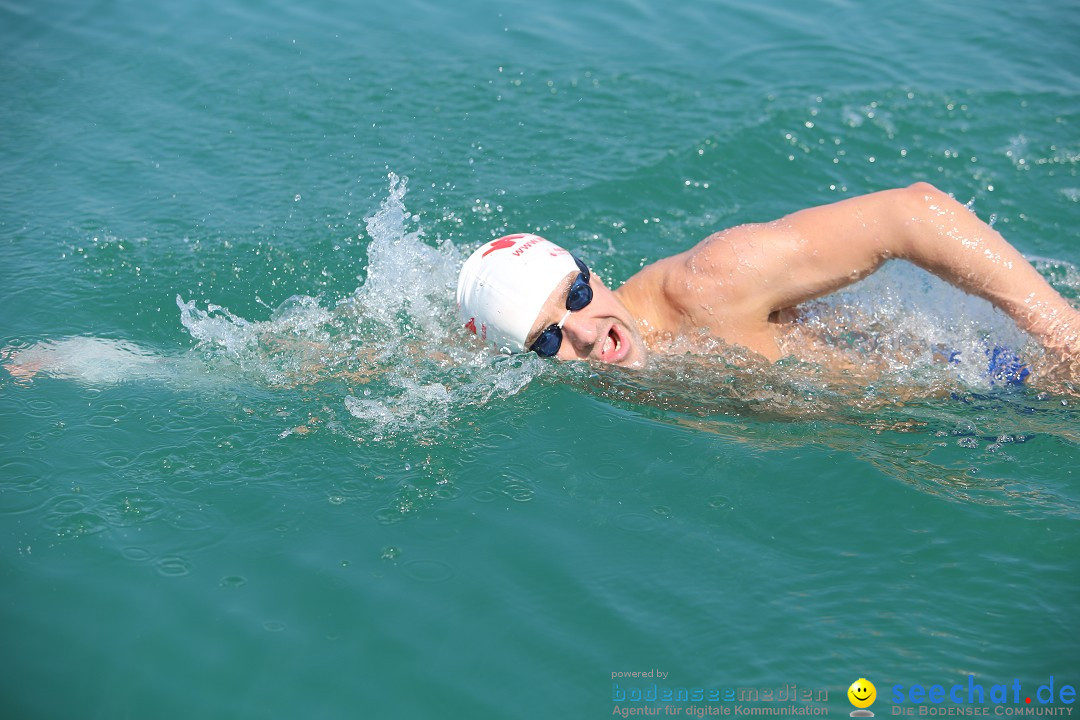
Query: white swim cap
[505, 283]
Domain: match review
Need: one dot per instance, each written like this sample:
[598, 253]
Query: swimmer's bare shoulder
[714, 286]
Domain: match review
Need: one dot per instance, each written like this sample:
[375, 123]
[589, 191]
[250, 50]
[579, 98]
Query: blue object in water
[1005, 366]
[1002, 365]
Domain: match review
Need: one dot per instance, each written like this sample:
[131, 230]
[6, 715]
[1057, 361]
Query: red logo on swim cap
[471, 325]
[501, 243]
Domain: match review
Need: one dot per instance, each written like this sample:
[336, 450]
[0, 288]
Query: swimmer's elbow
[922, 199]
[922, 189]
[919, 211]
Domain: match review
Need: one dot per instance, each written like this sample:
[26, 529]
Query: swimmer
[742, 285]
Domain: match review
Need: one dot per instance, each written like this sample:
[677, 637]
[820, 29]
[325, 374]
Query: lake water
[261, 472]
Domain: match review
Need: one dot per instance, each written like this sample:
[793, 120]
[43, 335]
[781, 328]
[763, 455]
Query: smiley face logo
[862, 693]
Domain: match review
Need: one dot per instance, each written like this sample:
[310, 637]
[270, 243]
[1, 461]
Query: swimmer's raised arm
[816, 251]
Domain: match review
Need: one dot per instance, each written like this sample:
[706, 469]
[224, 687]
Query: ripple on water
[607, 470]
[605, 420]
[108, 415]
[637, 522]
[191, 411]
[183, 487]
[69, 515]
[428, 571]
[389, 515]
[203, 527]
[719, 502]
[555, 459]
[116, 461]
[484, 495]
[354, 490]
[23, 482]
[173, 566]
[39, 408]
[513, 469]
[68, 504]
[446, 491]
[75, 524]
[136, 554]
[130, 507]
[518, 491]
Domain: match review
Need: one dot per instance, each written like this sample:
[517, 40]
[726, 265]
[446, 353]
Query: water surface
[262, 475]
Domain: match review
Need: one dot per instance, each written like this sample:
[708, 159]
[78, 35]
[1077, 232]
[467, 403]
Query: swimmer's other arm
[813, 252]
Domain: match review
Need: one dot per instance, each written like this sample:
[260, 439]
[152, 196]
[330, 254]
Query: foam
[394, 341]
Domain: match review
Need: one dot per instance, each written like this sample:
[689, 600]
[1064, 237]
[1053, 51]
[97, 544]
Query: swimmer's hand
[22, 370]
[92, 361]
[1059, 334]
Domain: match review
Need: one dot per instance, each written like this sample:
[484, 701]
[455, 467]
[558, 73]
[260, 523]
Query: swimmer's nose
[580, 331]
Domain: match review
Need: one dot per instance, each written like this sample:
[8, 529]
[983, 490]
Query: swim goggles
[549, 341]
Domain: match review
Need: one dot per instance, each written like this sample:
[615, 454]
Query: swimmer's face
[604, 330]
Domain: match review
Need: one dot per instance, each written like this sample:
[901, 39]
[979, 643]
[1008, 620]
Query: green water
[262, 475]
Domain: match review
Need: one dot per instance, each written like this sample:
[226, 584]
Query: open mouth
[615, 347]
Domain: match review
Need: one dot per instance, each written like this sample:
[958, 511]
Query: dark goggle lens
[580, 293]
[547, 344]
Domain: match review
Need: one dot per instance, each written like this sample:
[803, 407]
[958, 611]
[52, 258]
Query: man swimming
[522, 292]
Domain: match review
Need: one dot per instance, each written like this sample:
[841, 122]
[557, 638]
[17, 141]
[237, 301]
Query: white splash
[396, 337]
